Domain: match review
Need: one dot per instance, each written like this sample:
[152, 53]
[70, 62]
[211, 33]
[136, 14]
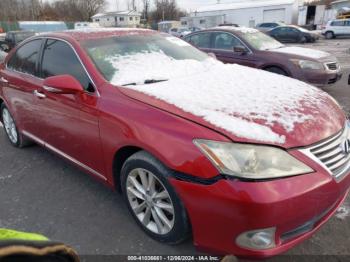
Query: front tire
[152, 200]
[303, 40]
[16, 139]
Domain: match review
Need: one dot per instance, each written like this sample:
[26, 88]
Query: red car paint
[92, 131]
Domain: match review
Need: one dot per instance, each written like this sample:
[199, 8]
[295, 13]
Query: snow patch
[106, 29]
[243, 101]
[301, 51]
[343, 212]
[241, 29]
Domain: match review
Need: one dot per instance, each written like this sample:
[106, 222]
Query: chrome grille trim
[330, 155]
[333, 66]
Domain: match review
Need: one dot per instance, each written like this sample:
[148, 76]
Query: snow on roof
[126, 13]
[102, 32]
[243, 4]
[246, 102]
[240, 29]
[40, 22]
[339, 1]
[167, 22]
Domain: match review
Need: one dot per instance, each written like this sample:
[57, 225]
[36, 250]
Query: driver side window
[225, 41]
[60, 59]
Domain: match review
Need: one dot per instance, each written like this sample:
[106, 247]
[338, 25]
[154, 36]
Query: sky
[183, 4]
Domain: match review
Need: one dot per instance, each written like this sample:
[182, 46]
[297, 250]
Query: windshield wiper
[147, 82]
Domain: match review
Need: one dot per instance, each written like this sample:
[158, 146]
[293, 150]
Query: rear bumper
[296, 207]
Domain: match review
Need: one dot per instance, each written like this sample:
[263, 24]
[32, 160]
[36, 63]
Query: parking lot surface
[42, 193]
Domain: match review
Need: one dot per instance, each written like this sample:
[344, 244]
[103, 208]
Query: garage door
[275, 15]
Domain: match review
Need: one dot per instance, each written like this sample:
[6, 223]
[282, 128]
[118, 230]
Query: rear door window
[26, 57]
[60, 59]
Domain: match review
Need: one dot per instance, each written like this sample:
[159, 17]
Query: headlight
[251, 161]
[306, 64]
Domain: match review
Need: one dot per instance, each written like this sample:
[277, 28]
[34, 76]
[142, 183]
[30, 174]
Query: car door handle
[4, 80]
[39, 95]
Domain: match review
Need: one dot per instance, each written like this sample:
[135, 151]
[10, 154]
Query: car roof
[97, 33]
[229, 29]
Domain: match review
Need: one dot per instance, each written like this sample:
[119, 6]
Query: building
[316, 14]
[245, 13]
[118, 19]
[340, 4]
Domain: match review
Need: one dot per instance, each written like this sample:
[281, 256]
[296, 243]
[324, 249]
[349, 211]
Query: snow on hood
[243, 101]
[301, 51]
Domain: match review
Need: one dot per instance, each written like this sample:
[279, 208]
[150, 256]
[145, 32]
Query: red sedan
[249, 162]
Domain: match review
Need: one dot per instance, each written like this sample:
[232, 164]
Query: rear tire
[14, 136]
[329, 35]
[152, 200]
[276, 70]
[303, 40]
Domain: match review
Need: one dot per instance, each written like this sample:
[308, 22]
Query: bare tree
[166, 10]
[91, 7]
[146, 7]
[65, 10]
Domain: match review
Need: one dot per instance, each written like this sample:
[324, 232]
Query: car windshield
[128, 60]
[261, 41]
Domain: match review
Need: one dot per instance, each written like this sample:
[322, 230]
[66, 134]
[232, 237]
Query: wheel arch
[120, 156]
[276, 66]
[329, 31]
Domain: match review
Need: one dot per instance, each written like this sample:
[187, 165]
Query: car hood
[302, 52]
[244, 104]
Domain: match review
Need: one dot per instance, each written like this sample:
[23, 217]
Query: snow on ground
[312, 53]
[343, 212]
[244, 101]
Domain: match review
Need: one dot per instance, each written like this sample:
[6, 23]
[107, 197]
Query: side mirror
[63, 84]
[240, 50]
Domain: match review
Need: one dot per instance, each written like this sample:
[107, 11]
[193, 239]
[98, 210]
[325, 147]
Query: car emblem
[345, 146]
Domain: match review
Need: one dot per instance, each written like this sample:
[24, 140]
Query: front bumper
[296, 206]
[324, 78]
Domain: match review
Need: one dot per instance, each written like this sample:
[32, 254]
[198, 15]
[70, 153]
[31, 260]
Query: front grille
[332, 154]
[332, 66]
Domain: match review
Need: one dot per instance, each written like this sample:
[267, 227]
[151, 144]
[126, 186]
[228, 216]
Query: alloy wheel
[10, 126]
[150, 201]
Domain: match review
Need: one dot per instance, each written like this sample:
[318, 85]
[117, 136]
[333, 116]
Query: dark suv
[249, 47]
